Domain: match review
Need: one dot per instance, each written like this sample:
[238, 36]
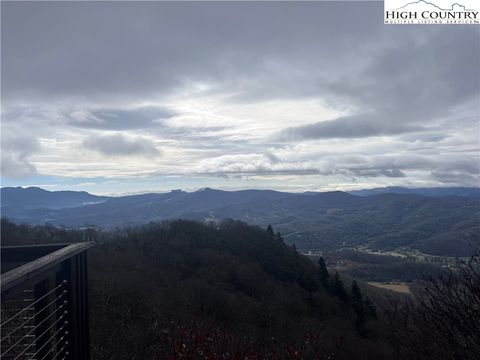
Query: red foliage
[197, 341]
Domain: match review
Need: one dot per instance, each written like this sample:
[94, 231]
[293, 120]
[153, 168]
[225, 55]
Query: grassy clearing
[398, 287]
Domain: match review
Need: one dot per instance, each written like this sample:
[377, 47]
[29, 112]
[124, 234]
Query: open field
[398, 287]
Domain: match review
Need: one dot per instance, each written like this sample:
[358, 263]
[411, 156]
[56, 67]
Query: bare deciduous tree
[442, 321]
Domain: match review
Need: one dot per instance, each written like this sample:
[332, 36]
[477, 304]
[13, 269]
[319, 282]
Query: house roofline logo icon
[431, 12]
[438, 7]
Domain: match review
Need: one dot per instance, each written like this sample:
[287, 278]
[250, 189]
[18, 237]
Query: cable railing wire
[30, 306]
[47, 342]
[21, 326]
[54, 347]
[38, 320]
[38, 312]
[46, 331]
[36, 326]
[60, 351]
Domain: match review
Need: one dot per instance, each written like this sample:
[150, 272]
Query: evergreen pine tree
[279, 236]
[323, 272]
[356, 293]
[370, 309]
[270, 231]
[337, 287]
[359, 308]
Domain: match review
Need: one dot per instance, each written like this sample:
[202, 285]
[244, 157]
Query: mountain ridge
[312, 221]
[431, 191]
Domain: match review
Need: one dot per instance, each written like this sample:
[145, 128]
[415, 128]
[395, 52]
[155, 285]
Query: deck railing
[44, 313]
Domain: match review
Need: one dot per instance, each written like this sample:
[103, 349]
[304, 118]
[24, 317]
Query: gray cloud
[117, 119]
[418, 79]
[121, 50]
[355, 126]
[17, 167]
[119, 145]
[112, 50]
[259, 173]
[340, 165]
[425, 138]
[76, 69]
[462, 170]
[272, 158]
[16, 153]
[398, 89]
[392, 173]
[456, 164]
[455, 178]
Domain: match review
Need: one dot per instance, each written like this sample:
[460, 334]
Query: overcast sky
[123, 97]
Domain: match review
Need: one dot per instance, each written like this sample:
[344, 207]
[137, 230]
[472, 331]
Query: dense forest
[186, 290]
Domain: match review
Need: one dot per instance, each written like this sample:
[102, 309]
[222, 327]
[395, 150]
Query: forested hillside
[227, 291]
[230, 291]
[235, 290]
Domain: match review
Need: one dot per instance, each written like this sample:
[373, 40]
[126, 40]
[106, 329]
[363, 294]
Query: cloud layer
[16, 153]
[354, 126]
[119, 145]
[303, 96]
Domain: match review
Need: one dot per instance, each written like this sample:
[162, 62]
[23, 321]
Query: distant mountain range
[436, 192]
[18, 201]
[388, 218]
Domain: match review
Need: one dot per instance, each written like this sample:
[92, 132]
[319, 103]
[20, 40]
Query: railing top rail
[34, 246]
[47, 245]
[37, 266]
[23, 253]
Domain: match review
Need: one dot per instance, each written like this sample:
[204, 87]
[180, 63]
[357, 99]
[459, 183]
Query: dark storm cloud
[119, 145]
[115, 119]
